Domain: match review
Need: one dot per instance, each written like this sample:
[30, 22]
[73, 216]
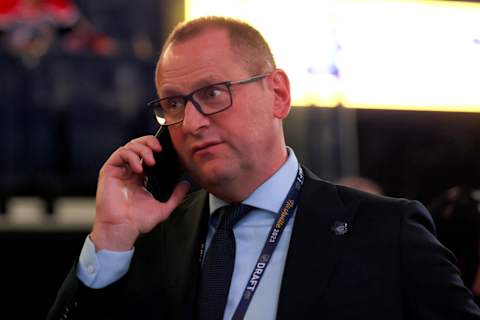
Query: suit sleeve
[76, 301]
[431, 282]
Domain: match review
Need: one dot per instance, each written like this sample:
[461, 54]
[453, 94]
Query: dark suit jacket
[388, 265]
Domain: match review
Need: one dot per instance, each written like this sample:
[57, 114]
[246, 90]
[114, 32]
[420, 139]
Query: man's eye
[211, 92]
[172, 105]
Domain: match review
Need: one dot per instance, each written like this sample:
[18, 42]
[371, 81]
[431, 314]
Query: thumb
[178, 195]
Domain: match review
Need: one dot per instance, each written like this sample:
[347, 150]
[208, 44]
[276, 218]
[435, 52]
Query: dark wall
[419, 154]
[34, 265]
[413, 154]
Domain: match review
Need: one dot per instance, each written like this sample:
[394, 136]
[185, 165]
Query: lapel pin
[340, 228]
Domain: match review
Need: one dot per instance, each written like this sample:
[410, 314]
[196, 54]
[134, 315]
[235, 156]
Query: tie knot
[231, 214]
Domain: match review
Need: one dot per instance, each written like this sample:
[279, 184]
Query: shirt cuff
[99, 269]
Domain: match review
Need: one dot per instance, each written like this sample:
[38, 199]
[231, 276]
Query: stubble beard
[223, 178]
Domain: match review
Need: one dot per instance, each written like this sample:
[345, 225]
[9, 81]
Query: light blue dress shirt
[99, 269]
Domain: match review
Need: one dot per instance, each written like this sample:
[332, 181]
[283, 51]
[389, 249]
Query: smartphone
[162, 178]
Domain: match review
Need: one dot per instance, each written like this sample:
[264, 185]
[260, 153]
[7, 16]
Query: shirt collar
[269, 196]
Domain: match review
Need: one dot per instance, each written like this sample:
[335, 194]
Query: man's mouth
[204, 147]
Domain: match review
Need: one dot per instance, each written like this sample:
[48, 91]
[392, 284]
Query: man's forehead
[213, 43]
[203, 50]
[208, 36]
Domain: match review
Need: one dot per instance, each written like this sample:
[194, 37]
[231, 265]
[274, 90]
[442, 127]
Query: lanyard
[289, 205]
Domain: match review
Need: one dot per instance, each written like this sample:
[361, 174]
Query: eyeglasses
[208, 100]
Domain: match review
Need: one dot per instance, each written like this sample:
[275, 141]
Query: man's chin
[211, 174]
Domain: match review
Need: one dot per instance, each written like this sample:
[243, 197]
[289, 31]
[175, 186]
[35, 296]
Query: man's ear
[281, 94]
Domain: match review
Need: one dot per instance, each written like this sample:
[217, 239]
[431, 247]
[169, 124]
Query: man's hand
[124, 208]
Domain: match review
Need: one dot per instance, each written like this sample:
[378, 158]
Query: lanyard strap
[288, 208]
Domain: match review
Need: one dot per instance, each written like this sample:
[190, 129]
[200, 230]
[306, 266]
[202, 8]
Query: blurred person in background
[29, 28]
[457, 217]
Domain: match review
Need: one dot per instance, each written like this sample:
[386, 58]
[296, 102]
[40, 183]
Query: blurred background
[386, 99]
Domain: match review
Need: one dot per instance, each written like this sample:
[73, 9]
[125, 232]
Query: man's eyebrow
[168, 91]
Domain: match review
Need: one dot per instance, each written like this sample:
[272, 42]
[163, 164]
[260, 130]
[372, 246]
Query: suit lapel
[184, 236]
[314, 248]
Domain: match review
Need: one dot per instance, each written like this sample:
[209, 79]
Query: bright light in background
[422, 55]
[409, 54]
[301, 36]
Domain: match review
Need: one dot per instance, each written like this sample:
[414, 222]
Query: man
[343, 254]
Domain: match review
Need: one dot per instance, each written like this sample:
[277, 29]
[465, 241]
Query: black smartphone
[162, 178]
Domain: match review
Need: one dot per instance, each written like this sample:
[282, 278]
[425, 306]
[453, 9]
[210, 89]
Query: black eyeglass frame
[189, 97]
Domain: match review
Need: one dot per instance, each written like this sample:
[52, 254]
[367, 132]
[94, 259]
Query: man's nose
[193, 119]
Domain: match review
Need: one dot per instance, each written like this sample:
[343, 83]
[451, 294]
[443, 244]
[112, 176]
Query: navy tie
[218, 266]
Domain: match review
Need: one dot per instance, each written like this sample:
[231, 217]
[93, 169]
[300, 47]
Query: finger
[150, 141]
[125, 156]
[144, 151]
[162, 210]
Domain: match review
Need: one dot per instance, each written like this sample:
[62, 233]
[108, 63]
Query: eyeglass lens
[210, 99]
